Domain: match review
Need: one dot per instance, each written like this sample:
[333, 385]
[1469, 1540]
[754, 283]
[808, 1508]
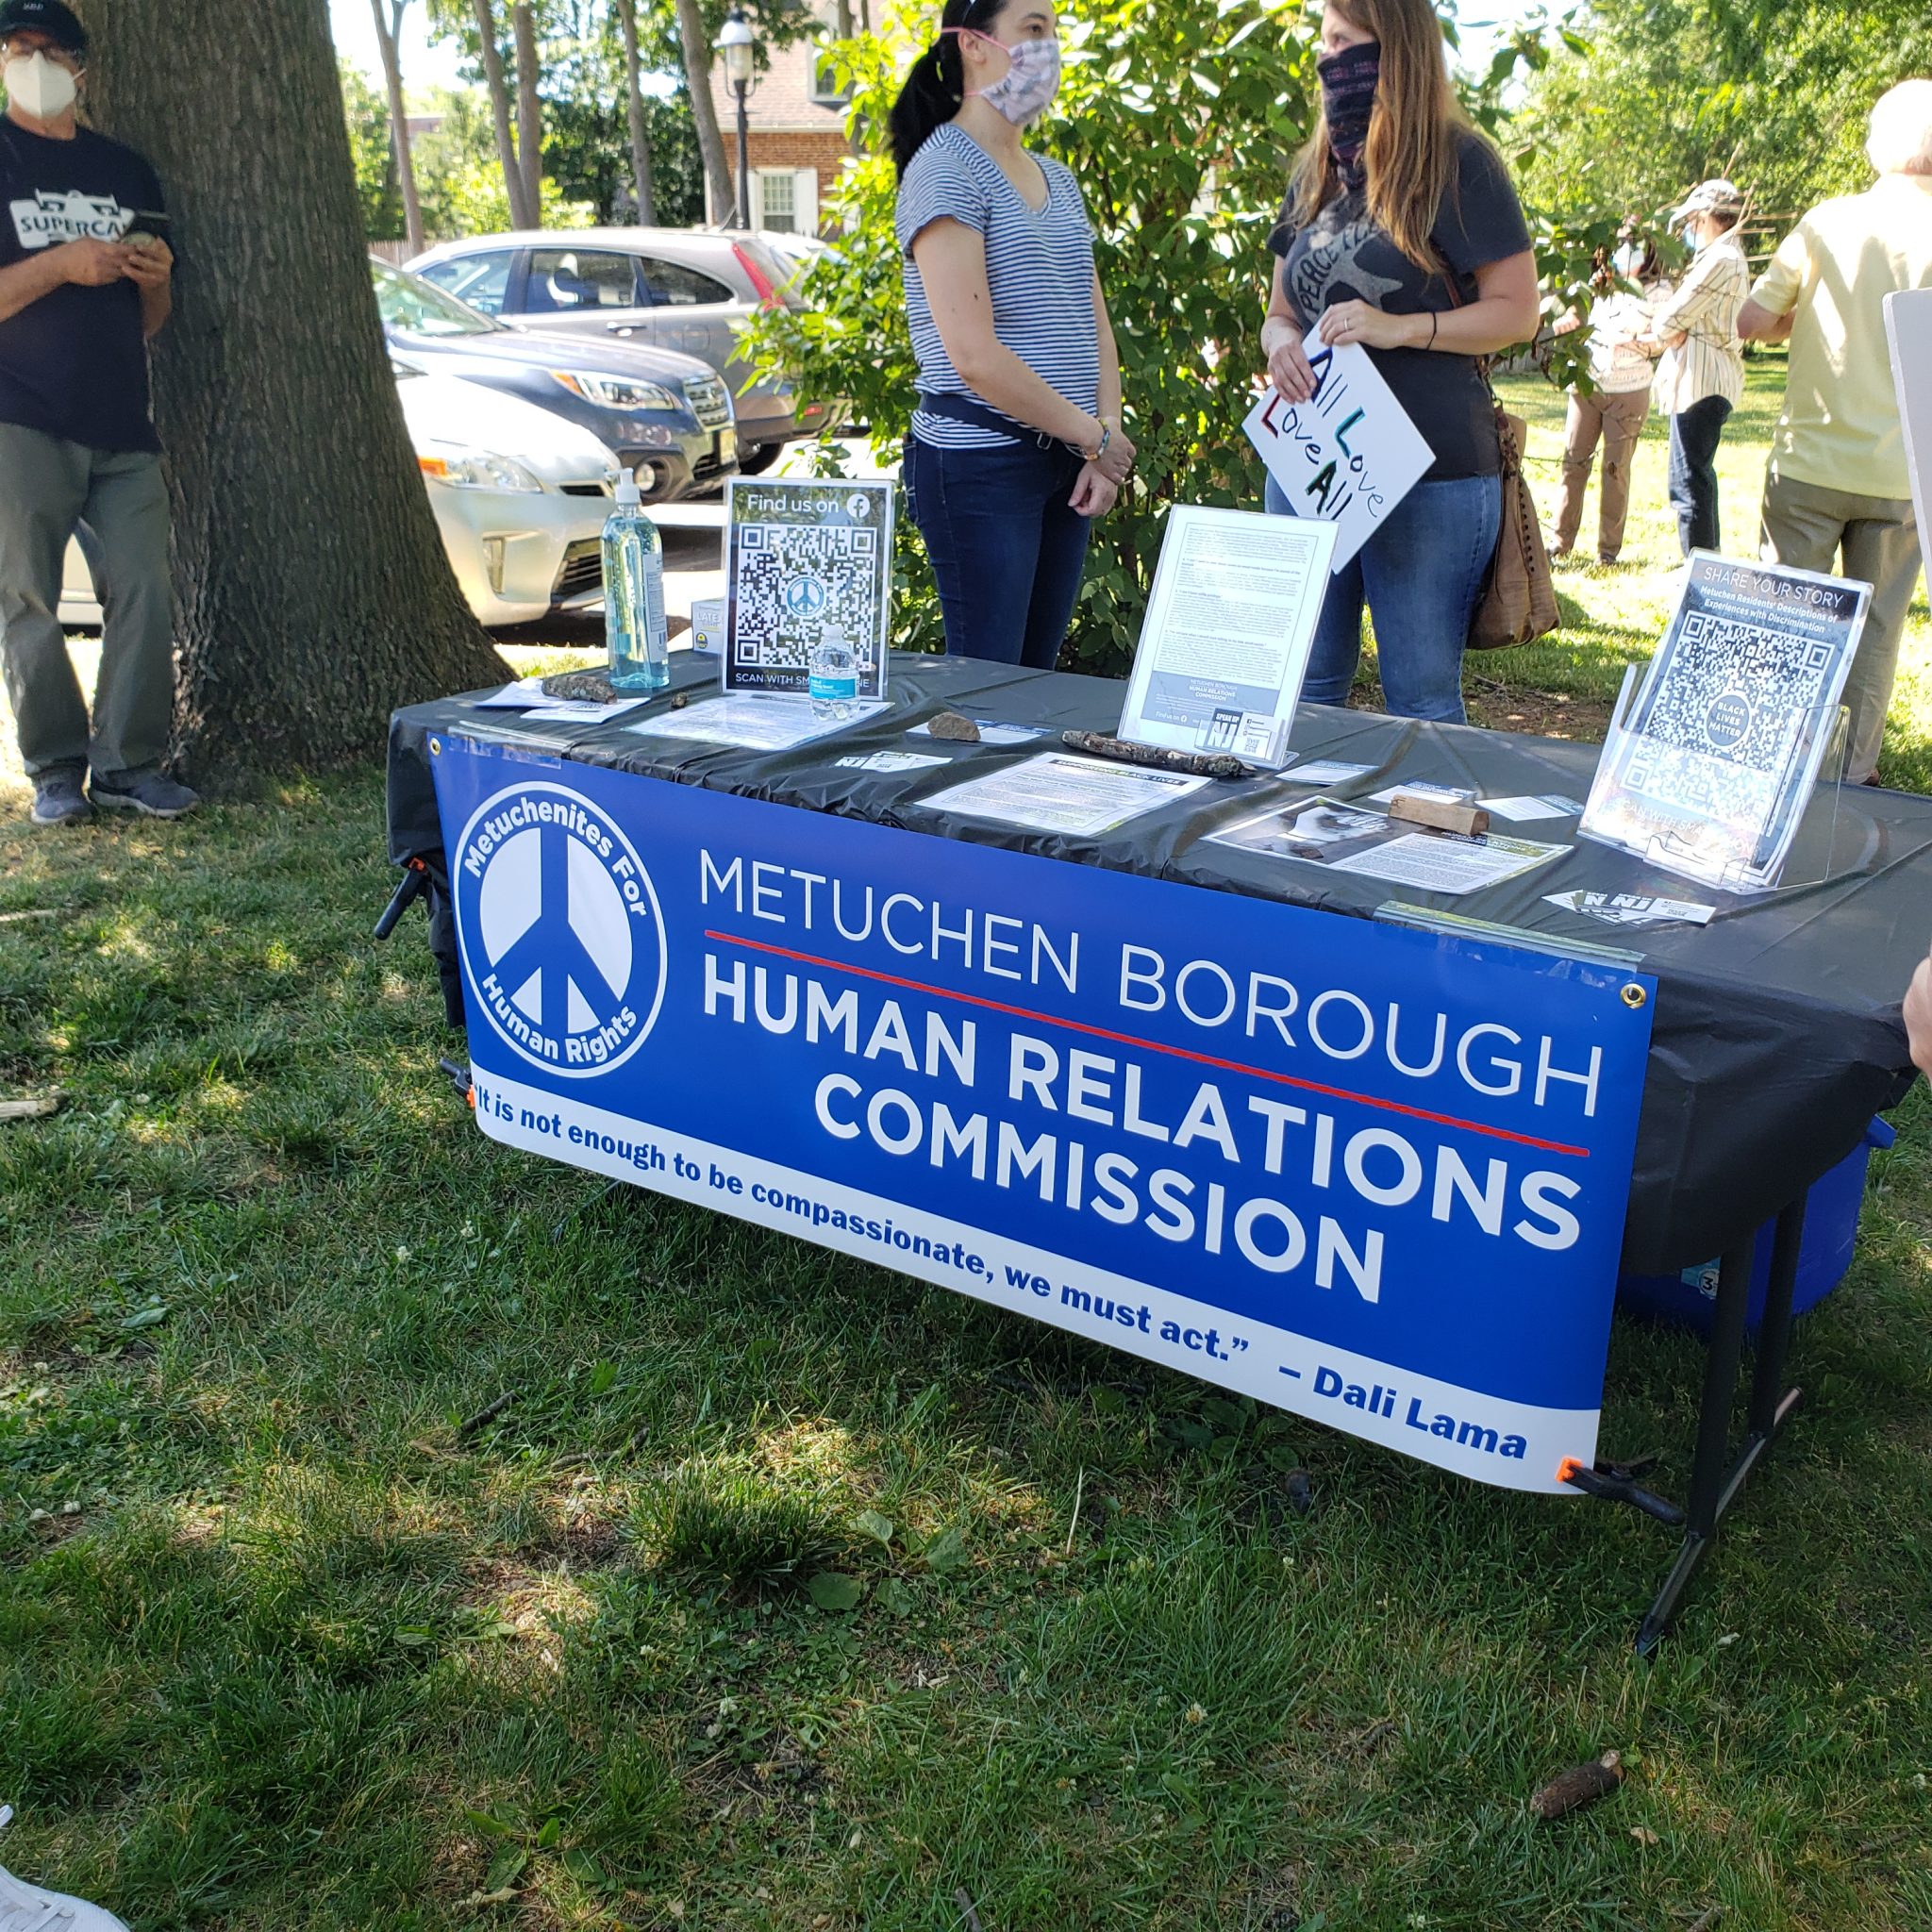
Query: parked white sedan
[520, 498]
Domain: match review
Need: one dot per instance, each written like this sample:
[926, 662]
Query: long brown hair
[1414, 132]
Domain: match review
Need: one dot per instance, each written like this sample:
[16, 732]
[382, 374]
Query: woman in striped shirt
[1017, 443]
[1702, 375]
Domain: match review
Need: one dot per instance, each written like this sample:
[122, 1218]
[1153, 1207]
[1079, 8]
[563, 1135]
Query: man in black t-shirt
[84, 282]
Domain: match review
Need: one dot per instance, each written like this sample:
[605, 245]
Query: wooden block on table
[1440, 815]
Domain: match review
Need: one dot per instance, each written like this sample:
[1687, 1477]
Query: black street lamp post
[736, 45]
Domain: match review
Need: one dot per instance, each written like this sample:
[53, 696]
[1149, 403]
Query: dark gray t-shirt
[1343, 257]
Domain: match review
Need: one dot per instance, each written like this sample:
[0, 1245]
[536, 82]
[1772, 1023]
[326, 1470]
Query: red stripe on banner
[1180, 1053]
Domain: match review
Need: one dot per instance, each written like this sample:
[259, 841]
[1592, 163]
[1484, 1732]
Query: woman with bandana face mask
[1017, 443]
[1394, 194]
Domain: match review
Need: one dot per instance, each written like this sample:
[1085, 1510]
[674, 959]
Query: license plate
[728, 446]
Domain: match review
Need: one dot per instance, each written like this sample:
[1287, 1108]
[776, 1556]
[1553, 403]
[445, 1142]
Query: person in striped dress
[1701, 377]
[1016, 445]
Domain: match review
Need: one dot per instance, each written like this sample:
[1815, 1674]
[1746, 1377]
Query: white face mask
[41, 89]
[1032, 79]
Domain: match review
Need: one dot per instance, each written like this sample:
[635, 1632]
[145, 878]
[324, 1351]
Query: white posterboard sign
[1228, 630]
[807, 562]
[1908, 323]
[1349, 454]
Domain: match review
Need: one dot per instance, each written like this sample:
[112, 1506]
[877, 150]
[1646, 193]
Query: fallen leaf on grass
[1582, 1784]
[36, 1109]
[1644, 1835]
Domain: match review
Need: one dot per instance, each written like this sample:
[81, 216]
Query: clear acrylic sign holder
[1728, 827]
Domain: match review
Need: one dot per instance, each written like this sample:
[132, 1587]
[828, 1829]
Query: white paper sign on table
[1349, 454]
[1230, 623]
[1059, 792]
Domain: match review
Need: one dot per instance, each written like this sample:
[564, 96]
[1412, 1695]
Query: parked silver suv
[674, 287]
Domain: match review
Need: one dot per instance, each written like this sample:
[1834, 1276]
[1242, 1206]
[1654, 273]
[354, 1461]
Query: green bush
[1179, 122]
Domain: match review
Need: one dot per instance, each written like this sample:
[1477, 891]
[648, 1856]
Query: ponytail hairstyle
[937, 83]
[1415, 130]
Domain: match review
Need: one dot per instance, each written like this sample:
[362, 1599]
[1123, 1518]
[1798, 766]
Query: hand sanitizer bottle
[634, 594]
[832, 677]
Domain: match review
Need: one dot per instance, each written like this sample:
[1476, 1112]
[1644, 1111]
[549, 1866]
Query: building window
[777, 202]
[828, 89]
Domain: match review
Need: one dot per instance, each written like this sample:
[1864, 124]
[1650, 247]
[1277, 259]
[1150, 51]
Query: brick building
[796, 121]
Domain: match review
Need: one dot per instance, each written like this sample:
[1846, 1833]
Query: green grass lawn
[283, 1645]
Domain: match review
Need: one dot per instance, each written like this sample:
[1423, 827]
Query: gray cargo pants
[46, 487]
[1809, 527]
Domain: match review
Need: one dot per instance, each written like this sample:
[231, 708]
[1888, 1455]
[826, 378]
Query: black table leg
[1714, 1488]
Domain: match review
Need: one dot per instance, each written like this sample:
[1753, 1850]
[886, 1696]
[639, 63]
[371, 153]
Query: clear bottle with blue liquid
[832, 677]
[634, 624]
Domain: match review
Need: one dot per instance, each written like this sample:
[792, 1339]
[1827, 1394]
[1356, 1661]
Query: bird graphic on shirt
[1337, 262]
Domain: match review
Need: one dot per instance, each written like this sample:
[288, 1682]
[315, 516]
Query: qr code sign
[794, 583]
[1739, 691]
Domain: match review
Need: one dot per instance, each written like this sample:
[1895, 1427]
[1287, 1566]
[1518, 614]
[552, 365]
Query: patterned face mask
[1032, 79]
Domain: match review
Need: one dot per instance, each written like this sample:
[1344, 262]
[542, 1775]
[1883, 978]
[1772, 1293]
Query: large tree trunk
[697, 77]
[634, 103]
[521, 215]
[311, 588]
[389, 26]
[530, 111]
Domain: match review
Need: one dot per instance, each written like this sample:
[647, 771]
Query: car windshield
[409, 303]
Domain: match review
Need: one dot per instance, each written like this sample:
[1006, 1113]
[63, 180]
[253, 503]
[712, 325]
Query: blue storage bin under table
[1831, 1230]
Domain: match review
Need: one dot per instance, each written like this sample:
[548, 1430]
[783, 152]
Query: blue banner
[1373, 1176]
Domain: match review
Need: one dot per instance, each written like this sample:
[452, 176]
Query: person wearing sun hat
[1700, 379]
[85, 282]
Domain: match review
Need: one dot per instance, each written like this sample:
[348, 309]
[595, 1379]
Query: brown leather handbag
[1517, 603]
[1517, 600]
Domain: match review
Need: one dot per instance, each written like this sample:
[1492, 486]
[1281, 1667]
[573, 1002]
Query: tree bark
[697, 79]
[634, 103]
[844, 20]
[520, 213]
[312, 592]
[389, 27]
[530, 111]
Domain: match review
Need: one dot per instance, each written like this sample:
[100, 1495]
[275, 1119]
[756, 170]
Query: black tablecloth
[1777, 1032]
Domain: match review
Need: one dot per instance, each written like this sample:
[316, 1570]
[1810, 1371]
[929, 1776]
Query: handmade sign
[1382, 1183]
[811, 566]
[1349, 454]
[1908, 325]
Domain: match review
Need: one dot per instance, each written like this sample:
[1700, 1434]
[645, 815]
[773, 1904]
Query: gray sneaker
[27, 1909]
[147, 790]
[59, 796]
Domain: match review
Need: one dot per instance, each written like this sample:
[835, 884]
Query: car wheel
[754, 462]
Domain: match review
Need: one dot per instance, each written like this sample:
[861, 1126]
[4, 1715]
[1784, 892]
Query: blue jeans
[1420, 575]
[1694, 434]
[1006, 550]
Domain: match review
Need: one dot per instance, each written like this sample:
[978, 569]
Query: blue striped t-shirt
[1039, 267]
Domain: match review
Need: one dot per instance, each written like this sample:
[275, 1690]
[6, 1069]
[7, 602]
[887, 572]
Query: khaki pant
[47, 486]
[1807, 527]
[1619, 420]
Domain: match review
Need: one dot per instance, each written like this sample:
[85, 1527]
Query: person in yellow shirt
[1837, 484]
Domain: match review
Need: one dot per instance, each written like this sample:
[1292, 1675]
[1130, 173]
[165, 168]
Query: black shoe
[147, 790]
[59, 796]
